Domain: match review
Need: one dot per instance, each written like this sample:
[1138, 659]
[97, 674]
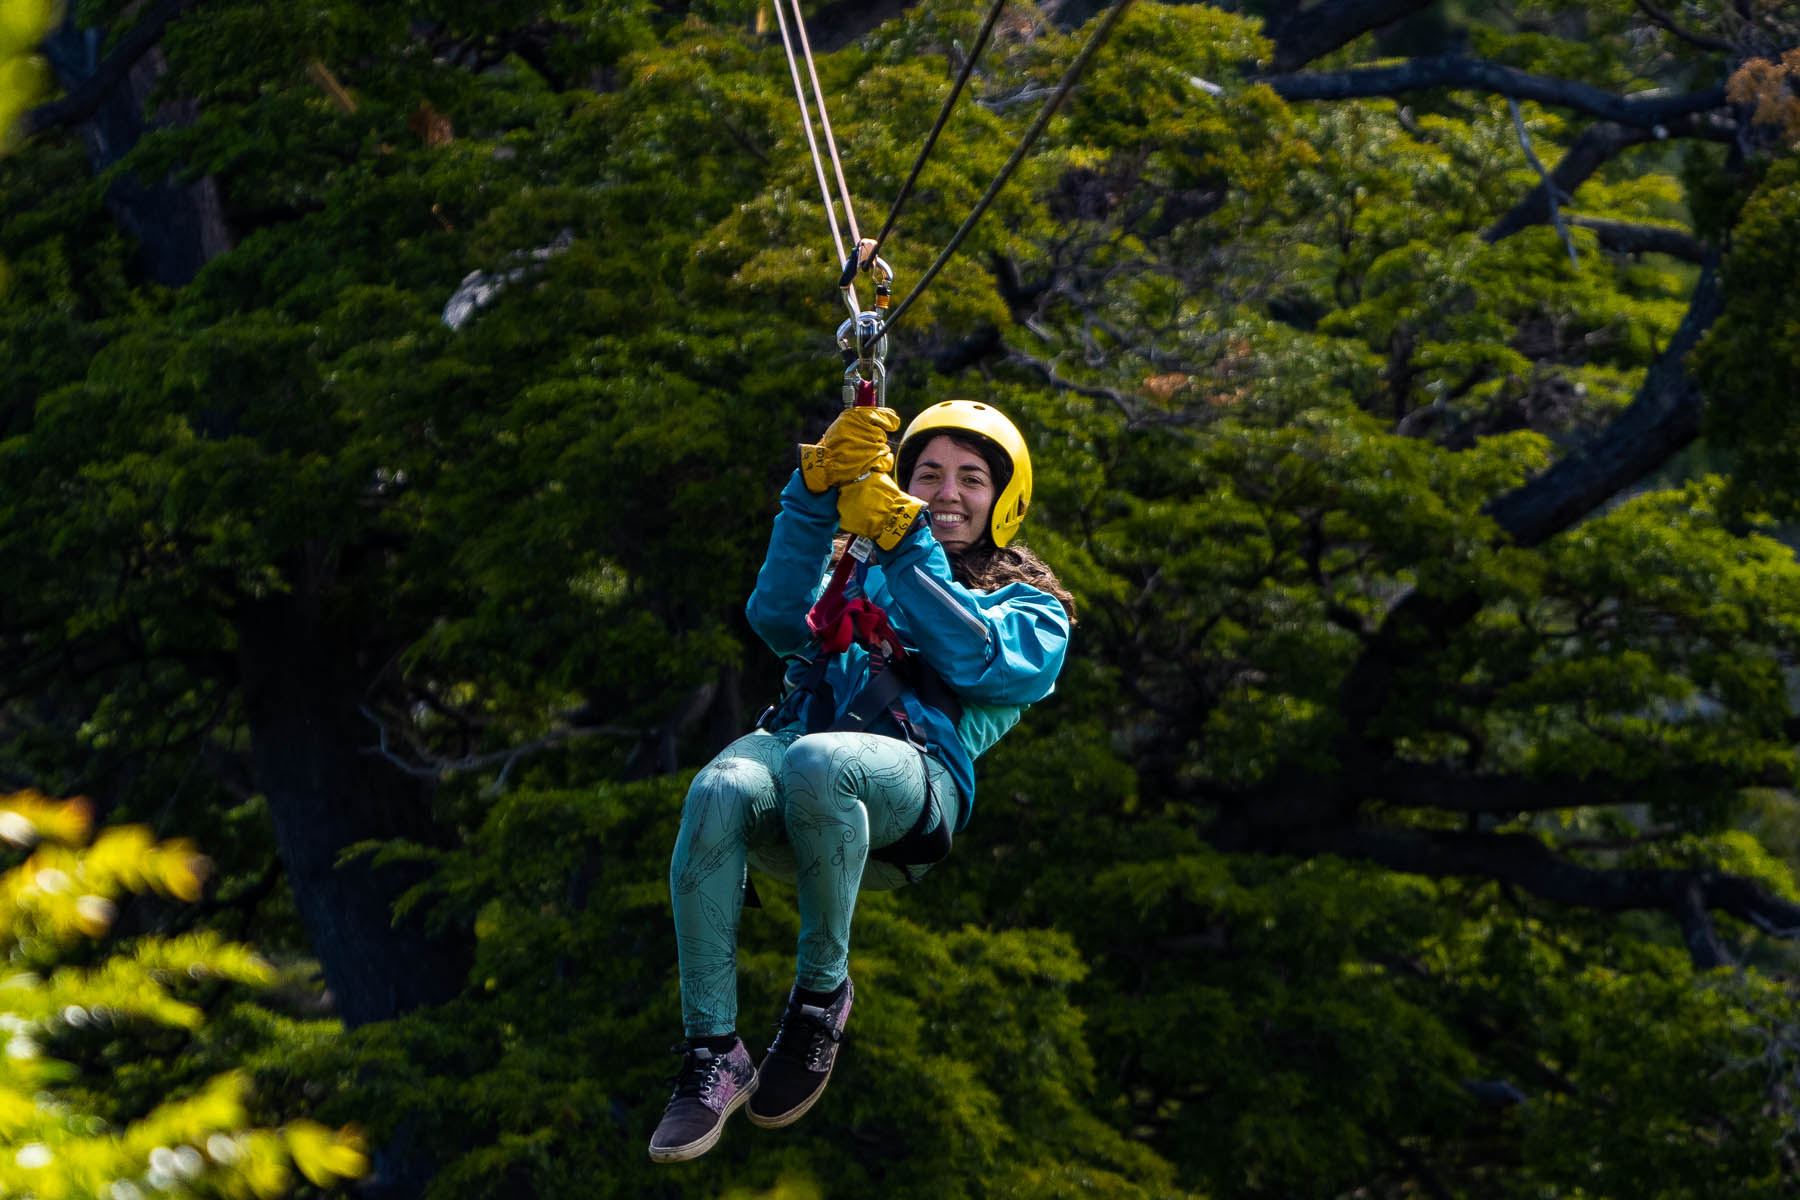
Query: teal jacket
[998, 651]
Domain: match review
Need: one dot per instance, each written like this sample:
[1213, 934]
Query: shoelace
[804, 1022]
[699, 1072]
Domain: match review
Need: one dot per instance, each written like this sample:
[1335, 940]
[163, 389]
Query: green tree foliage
[65, 892]
[1416, 814]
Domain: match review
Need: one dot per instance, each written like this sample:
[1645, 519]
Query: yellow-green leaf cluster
[201, 1144]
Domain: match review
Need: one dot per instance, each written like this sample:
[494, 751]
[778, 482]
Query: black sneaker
[795, 1070]
[709, 1088]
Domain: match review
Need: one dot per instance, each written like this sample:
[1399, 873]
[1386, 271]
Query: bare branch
[1550, 196]
[1665, 21]
[429, 766]
[1479, 74]
[1025, 95]
[1047, 370]
[1589, 152]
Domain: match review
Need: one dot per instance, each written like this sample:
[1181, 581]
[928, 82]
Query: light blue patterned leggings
[805, 809]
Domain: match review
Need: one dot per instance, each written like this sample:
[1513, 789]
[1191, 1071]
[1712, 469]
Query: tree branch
[1628, 237]
[1550, 193]
[1666, 22]
[1662, 418]
[1697, 930]
[432, 766]
[1479, 74]
[1526, 863]
[1047, 371]
[80, 103]
[1591, 150]
[1302, 35]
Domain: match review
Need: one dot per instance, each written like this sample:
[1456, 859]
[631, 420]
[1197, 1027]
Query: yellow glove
[855, 445]
[876, 508]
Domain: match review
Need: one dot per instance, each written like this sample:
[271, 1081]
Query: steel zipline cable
[1067, 84]
[1025, 143]
[962, 77]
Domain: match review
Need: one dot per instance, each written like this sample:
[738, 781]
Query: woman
[860, 777]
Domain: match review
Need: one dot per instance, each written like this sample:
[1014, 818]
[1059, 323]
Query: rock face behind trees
[1411, 400]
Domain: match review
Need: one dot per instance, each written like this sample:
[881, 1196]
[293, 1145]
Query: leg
[730, 795]
[841, 790]
[844, 793]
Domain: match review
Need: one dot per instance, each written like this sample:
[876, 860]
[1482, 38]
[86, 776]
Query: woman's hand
[876, 508]
[855, 445]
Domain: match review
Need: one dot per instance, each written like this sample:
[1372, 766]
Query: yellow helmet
[1000, 444]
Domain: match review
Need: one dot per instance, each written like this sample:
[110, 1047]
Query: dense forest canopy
[396, 400]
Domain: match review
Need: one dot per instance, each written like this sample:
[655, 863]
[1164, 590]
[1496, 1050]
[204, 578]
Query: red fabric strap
[835, 626]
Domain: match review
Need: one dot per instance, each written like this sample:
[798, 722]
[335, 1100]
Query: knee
[723, 791]
[818, 774]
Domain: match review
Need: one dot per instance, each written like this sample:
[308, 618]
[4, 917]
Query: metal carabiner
[861, 340]
[865, 326]
[863, 372]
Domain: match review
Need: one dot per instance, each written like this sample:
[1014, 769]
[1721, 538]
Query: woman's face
[956, 486]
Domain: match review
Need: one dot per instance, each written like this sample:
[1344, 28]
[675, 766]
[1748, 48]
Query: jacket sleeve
[1006, 647]
[792, 573]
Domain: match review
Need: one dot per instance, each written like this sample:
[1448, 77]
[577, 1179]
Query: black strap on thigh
[925, 844]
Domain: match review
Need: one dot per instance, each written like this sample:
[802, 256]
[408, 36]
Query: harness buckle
[914, 737]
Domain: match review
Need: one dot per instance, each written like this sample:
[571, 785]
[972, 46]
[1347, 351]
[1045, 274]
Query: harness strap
[880, 695]
[925, 844]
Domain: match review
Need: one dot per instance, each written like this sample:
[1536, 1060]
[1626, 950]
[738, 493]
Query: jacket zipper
[976, 624]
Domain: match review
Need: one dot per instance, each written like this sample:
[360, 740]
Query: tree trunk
[179, 227]
[313, 754]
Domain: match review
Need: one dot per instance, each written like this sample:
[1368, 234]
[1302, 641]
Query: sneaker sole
[700, 1145]
[795, 1113]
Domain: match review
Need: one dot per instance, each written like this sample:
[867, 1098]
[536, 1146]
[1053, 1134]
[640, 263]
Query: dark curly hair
[985, 567]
